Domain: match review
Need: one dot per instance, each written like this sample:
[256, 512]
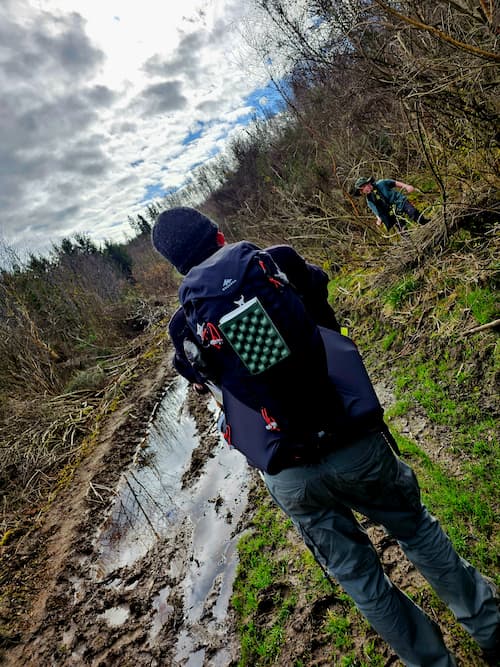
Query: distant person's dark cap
[362, 181]
[185, 237]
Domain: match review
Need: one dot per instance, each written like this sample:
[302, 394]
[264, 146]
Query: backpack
[258, 340]
[271, 451]
[262, 348]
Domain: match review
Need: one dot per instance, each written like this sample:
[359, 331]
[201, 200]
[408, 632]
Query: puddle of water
[148, 498]
[186, 651]
[219, 611]
[222, 658]
[196, 659]
[214, 550]
[69, 635]
[78, 589]
[150, 505]
[163, 611]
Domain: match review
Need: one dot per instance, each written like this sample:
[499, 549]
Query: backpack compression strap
[271, 423]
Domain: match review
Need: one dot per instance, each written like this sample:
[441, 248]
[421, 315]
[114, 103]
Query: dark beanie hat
[185, 237]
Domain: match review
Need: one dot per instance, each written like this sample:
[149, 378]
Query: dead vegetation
[69, 349]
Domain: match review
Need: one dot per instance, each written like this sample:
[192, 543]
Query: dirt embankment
[51, 555]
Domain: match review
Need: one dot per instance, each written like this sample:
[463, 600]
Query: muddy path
[141, 558]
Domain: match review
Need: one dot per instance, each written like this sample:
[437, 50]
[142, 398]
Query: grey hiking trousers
[369, 478]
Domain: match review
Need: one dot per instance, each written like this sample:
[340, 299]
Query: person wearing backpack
[389, 204]
[320, 439]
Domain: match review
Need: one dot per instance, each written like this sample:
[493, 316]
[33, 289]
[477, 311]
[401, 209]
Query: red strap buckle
[271, 423]
[211, 335]
[274, 281]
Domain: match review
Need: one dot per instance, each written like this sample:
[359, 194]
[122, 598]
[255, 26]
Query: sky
[106, 105]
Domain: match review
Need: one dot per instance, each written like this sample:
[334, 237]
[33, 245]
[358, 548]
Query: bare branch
[445, 37]
[490, 325]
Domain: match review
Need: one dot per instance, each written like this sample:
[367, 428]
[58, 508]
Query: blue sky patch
[266, 100]
[153, 192]
[194, 134]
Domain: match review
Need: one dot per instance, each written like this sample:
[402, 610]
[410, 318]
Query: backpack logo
[228, 282]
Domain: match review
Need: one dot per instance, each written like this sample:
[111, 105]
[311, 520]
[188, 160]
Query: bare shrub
[154, 277]
[38, 435]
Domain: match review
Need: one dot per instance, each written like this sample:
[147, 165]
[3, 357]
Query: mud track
[133, 615]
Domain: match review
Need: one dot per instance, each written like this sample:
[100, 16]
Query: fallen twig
[489, 325]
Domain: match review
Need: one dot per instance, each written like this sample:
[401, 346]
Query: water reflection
[151, 505]
[149, 501]
[115, 616]
[213, 547]
[163, 611]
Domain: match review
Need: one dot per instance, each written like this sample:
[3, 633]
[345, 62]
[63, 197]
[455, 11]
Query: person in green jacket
[389, 204]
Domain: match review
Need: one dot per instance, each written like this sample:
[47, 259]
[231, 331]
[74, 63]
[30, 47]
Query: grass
[272, 572]
[463, 504]
[349, 283]
[338, 629]
[483, 302]
[462, 500]
[397, 295]
[388, 340]
[256, 590]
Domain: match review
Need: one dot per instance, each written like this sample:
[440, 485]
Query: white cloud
[108, 100]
